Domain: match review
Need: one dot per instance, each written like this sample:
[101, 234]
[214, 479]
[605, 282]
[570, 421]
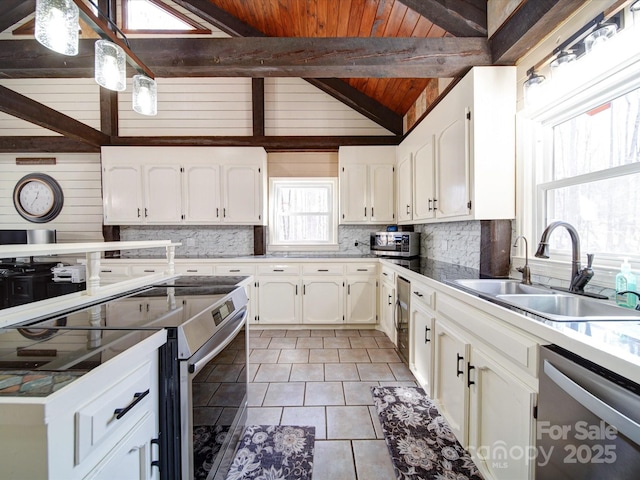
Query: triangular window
[154, 16]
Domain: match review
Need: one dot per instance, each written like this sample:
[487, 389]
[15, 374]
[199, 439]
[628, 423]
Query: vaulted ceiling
[376, 56]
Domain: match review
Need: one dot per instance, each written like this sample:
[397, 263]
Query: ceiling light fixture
[558, 64]
[145, 95]
[602, 33]
[532, 87]
[111, 66]
[57, 25]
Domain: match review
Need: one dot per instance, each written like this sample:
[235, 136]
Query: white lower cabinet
[361, 299]
[387, 309]
[422, 331]
[501, 425]
[323, 300]
[278, 300]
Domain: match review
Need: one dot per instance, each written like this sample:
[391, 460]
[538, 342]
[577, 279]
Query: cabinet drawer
[114, 271]
[193, 270]
[362, 268]
[278, 270]
[423, 295]
[320, 269]
[234, 270]
[97, 420]
[388, 275]
[137, 270]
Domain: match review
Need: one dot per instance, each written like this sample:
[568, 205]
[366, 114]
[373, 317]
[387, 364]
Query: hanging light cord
[110, 22]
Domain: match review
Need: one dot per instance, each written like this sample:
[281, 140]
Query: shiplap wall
[78, 98]
[295, 107]
[78, 175]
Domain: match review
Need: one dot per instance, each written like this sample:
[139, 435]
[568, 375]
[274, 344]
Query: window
[590, 178]
[303, 213]
[155, 16]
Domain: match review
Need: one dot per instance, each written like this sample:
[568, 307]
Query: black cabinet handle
[193, 270]
[389, 299]
[426, 334]
[349, 289]
[407, 209]
[138, 213]
[137, 398]
[458, 371]
[148, 270]
[469, 381]
[430, 207]
[296, 289]
[155, 463]
[278, 270]
[418, 294]
[435, 203]
[363, 270]
[323, 269]
[365, 212]
[234, 270]
[106, 271]
[146, 213]
[217, 213]
[372, 212]
[224, 212]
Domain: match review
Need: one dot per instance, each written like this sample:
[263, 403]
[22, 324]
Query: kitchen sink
[547, 303]
[495, 287]
[570, 308]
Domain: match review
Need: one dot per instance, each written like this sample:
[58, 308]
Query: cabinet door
[353, 194]
[450, 390]
[122, 185]
[162, 194]
[278, 300]
[361, 299]
[405, 189]
[500, 416]
[323, 300]
[421, 352]
[423, 181]
[452, 169]
[381, 180]
[242, 190]
[202, 196]
[132, 456]
[387, 310]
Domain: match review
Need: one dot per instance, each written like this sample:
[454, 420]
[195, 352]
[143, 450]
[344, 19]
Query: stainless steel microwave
[395, 244]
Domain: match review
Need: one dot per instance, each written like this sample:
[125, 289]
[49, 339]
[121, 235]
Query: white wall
[78, 175]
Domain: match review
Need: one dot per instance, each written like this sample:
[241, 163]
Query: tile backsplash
[452, 242]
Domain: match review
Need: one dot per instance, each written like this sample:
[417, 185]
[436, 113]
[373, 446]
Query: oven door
[213, 400]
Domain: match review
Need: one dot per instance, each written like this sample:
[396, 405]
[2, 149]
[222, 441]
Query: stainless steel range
[203, 372]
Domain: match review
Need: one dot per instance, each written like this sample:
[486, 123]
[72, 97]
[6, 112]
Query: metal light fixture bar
[102, 28]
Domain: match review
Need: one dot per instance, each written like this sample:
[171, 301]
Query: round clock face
[38, 198]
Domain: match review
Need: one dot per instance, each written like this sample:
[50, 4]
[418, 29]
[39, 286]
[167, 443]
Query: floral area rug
[419, 439]
[207, 442]
[277, 452]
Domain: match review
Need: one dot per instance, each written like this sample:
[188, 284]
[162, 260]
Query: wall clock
[38, 197]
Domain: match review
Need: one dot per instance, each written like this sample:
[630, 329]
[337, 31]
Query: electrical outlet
[357, 243]
[191, 242]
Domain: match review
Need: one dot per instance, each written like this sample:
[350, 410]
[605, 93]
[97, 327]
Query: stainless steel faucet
[525, 270]
[579, 276]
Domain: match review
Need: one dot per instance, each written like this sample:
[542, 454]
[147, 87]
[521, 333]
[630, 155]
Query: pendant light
[559, 64]
[602, 33]
[145, 95]
[57, 25]
[110, 65]
[532, 87]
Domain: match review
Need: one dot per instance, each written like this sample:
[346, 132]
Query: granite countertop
[274, 256]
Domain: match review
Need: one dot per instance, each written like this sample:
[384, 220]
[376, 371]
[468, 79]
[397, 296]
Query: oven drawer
[97, 422]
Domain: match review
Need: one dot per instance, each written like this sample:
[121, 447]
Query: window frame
[332, 244]
[197, 28]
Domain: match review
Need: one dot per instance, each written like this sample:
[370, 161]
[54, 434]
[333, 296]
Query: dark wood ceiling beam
[27, 109]
[461, 18]
[338, 89]
[268, 142]
[12, 11]
[345, 57]
[44, 145]
[531, 22]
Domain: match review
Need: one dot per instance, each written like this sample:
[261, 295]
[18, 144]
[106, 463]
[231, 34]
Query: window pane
[303, 229]
[304, 199]
[604, 137]
[605, 213]
[144, 15]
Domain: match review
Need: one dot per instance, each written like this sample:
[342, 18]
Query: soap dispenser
[625, 280]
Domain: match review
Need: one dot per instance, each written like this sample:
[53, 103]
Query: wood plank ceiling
[346, 18]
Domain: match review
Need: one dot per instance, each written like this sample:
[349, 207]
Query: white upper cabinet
[463, 153]
[184, 185]
[366, 185]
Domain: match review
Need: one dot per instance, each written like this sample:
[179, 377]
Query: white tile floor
[323, 378]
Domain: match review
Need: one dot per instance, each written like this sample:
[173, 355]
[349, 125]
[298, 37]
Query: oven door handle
[234, 324]
[600, 409]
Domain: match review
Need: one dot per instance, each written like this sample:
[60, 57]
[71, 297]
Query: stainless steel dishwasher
[402, 317]
[588, 420]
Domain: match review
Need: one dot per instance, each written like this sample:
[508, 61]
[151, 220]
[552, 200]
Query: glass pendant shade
[145, 95]
[532, 89]
[601, 34]
[561, 61]
[57, 25]
[111, 66]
